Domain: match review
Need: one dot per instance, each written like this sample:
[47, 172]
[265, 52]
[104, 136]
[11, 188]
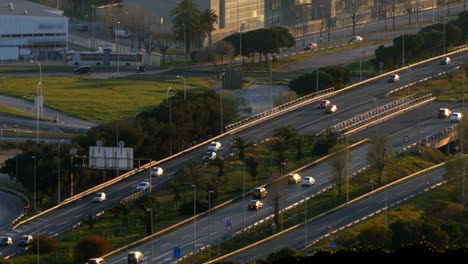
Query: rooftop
[23, 7]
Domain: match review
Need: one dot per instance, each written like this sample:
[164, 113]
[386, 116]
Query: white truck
[121, 33]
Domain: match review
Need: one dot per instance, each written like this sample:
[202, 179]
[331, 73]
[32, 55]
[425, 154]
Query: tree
[456, 168]
[287, 133]
[122, 210]
[380, 153]
[215, 54]
[240, 144]
[186, 18]
[252, 163]
[340, 164]
[375, 235]
[164, 38]
[90, 247]
[299, 17]
[353, 7]
[207, 20]
[393, 7]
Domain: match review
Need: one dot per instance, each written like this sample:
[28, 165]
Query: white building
[31, 31]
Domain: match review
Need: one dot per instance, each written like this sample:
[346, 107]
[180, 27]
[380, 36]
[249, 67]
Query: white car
[143, 186]
[99, 197]
[445, 61]
[156, 172]
[308, 181]
[456, 116]
[214, 146]
[393, 78]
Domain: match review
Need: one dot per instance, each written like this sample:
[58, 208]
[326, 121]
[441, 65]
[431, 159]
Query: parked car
[99, 197]
[331, 109]
[259, 193]
[143, 186]
[83, 69]
[444, 113]
[393, 78]
[308, 181]
[456, 116]
[6, 241]
[156, 172]
[324, 104]
[294, 178]
[255, 204]
[214, 146]
[355, 39]
[25, 241]
[82, 27]
[445, 61]
[96, 261]
[209, 156]
[135, 257]
[141, 68]
[311, 46]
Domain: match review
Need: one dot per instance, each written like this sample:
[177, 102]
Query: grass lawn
[99, 100]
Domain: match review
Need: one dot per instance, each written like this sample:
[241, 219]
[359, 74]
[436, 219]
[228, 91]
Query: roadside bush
[91, 247]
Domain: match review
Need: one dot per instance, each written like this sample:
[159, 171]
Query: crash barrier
[432, 138]
[377, 113]
[278, 108]
[422, 80]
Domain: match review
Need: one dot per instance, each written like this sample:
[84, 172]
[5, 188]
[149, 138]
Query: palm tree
[241, 145]
[207, 19]
[252, 162]
[122, 210]
[187, 24]
[287, 133]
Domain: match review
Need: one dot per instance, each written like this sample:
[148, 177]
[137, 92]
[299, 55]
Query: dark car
[83, 69]
[259, 193]
[141, 68]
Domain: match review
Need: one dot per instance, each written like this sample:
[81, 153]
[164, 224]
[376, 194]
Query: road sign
[177, 252]
[273, 225]
[26, 207]
[228, 223]
[332, 245]
[406, 139]
[342, 135]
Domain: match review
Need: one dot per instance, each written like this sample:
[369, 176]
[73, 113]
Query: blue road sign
[177, 252]
[332, 245]
[228, 223]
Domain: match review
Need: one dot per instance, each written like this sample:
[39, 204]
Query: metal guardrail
[432, 138]
[278, 108]
[377, 113]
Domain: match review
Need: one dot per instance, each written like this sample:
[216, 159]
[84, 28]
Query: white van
[122, 33]
[135, 257]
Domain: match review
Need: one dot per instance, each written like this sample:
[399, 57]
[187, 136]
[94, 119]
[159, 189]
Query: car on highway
[324, 104]
[331, 109]
[456, 116]
[142, 187]
[393, 78]
[135, 257]
[308, 181]
[294, 178]
[6, 241]
[209, 156]
[214, 146]
[355, 39]
[156, 172]
[96, 261]
[83, 69]
[259, 193]
[141, 68]
[255, 204]
[25, 240]
[445, 61]
[99, 197]
[444, 113]
[311, 46]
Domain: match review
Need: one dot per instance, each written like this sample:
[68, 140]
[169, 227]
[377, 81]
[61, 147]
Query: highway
[307, 119]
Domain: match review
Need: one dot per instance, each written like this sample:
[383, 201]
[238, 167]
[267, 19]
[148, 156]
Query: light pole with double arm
[185, 85]
[194, 219]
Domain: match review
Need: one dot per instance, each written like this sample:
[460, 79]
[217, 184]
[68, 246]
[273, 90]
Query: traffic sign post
[228, 225]
[371, 181]
[273, 226]
[406, 139]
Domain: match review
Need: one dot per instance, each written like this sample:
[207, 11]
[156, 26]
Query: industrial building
[31, 31]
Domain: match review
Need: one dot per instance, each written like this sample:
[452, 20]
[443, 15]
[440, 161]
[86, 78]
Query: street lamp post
[72, 154]
[117, 47]
[150, 210]
[93, 41]
[34, 196]
[315, 18]
[194, 219]
[58, 174]
[209, 221]
[305, 224]
[37, 246]
[243, 195]
[221, 104]
[185, 86]
[386, 208]
[38, 100]
[170, 121]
